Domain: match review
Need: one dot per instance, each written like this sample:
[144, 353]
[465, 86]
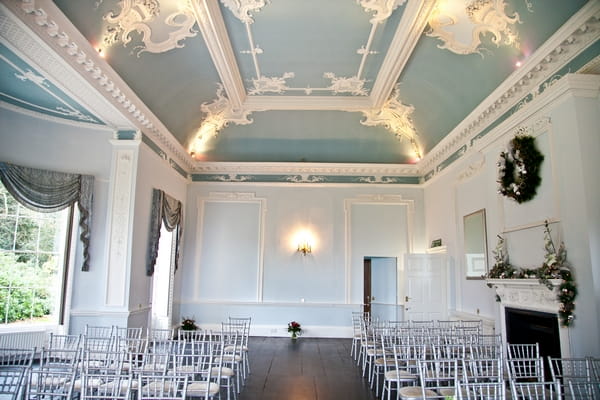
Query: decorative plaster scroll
[119, 105]
[576, 35]
[382, 8]
[270, 84]
[477, 18]
[352, 85]
[241, 9]
[219, 113]
[473, 169]
[395, 117]
[137, 15]
[526, 294]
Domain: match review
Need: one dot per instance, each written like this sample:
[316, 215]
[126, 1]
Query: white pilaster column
[120, 220]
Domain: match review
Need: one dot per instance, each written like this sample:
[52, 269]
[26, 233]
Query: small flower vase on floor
[294, 336]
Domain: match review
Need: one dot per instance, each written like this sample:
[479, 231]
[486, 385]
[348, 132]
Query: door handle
[406, 298]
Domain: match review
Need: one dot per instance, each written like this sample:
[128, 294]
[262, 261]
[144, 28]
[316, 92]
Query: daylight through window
[32, 259]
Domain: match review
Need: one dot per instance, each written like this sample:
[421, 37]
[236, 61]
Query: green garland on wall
[555, 266]
[519, 169]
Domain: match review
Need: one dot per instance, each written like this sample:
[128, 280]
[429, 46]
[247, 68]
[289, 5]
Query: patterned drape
[167, 210]
[50, 191]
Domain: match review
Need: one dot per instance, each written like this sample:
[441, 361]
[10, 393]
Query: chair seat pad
[450, 391]
[198, 389]
[134, 384]
[225, 372]
[415, 392]
[92, 383]
[393, 375]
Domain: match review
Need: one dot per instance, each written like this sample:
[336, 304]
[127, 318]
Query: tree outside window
[32, 247]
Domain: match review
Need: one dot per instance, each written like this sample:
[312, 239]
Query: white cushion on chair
[392, 375]
[197, 389]
[414, 392]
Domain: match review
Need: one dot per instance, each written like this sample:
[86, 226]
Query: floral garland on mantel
[555, 266]
[519, 169]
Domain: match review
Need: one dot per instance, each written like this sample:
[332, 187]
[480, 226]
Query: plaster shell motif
[241, 9]
[219, 113]
[382, 8]
[395, 117]
[138, 15]
[479, 17]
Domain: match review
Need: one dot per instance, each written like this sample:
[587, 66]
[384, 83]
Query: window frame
[61, 315]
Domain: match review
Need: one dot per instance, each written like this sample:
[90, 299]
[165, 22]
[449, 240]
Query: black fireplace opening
[526, 326]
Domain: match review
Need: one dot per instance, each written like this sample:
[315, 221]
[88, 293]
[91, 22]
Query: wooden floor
[305, 369]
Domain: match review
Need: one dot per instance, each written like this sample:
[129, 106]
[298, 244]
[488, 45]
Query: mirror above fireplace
[475, 244]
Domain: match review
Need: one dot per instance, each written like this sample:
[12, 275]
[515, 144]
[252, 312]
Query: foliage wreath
[519, 169]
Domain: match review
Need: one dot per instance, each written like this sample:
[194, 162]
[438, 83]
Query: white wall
[230, 269]
[153, 172]
[40, 143]
[565, 121]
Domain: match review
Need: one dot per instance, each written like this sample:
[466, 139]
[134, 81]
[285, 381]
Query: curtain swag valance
[167, 210]
[50, 191]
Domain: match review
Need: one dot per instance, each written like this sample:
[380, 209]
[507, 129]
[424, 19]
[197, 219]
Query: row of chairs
[441, 361]
[106, 362]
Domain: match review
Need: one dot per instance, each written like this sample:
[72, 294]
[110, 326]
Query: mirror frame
[478, 231]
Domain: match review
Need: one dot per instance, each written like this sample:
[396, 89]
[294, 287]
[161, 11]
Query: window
[33, 249]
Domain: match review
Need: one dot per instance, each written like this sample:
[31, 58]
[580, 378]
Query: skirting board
[307, 331]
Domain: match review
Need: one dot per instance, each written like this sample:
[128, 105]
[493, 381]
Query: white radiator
[23, 340]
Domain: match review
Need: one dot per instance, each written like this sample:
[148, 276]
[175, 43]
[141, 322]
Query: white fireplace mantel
[527, 294]
[530, 294]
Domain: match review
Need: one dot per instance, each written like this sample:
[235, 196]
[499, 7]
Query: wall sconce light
[304, 247]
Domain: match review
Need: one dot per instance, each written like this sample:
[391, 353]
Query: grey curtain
[50, 191]
[167, 210]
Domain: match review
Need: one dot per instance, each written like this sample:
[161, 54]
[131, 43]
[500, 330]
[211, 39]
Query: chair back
[163, 387]
[99, 331]
[439, 378]
[15, 365]
[106, 386]
[526, 369]
[50, 384]
[481, 391]
[529, 350]
[583, 390]
[535, 390]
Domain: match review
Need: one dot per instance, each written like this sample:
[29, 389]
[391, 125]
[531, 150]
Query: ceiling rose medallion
[460, 26]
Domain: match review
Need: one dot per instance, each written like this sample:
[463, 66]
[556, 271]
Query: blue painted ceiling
[308, 52]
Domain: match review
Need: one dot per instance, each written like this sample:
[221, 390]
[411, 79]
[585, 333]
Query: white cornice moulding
[566, 43]
[305, 168]
[21, 39]
[51, 28]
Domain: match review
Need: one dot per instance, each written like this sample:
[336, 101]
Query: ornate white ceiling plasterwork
[138, 15]
[305, 169]
[219, 113]
[461, 26]
[19, 38]
[581, 30]
[395, 117]
[119, 107]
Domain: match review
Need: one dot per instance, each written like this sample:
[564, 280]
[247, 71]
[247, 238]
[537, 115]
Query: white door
[425, 278]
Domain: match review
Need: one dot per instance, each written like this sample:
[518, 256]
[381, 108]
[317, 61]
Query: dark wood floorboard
[305, 369]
